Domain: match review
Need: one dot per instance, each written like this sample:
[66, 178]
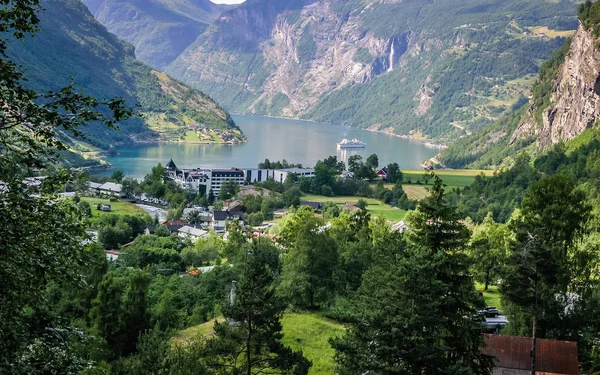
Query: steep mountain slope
[566, 102]
[71, 43]
[436, 69]
[159, 29]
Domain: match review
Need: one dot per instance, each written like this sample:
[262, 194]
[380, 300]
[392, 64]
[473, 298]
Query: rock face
[575, 100]
[159, 29]
[427, 68]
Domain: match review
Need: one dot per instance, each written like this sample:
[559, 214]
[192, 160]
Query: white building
[194, 234]
[206, 180]
[111, 188]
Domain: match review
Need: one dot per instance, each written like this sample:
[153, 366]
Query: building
[174, 226]
[206, 180]
[280, 175]
[111, 188]
[93, 187]
[400, 226]
[221, 218]
[112, 255]
[314, 205]
[513, 356]
[194, 234]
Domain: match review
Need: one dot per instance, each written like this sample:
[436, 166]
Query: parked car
[490, 312]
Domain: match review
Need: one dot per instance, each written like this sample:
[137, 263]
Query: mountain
[71, 43]
[423, 68]
[159, 29]
[565, 103]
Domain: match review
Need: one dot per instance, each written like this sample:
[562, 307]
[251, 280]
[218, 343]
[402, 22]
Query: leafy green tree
[229, 190]
[40, 235]
[250, 341]
[310, 261]
[162, 231]
[539, 270]
[129, 187]
[372, 161]
[291, 197]
[355, 163]
[331, 210]
[85, 208]
[400, 309]
[401, 324]
[362, 204]
[136, 318]
[488, 249]
[118, 176]
[194, 218]
[394, 174]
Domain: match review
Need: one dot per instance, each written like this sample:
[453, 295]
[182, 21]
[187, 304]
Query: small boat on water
[355, 143]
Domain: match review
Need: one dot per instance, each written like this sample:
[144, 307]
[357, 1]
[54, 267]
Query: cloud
[227, 1]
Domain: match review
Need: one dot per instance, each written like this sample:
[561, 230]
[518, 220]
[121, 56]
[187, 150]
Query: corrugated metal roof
[553, 356]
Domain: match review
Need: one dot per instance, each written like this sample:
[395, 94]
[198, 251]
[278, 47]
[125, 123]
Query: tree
[194, 218]
[118, 175]
[372, 161]
[539, 269]
[488, 249]
[435, 224]
[229, 190]
[250, 341]
[33, 222]
[310, 261]
[129, 187]
[362, 204]
[401, 326]
[394, 174]
[162, 231]
[355, 163]
[291, 197]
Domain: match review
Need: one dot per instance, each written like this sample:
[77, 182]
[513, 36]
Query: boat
[355, 143]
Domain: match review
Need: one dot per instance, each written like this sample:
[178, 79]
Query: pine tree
[250, 341]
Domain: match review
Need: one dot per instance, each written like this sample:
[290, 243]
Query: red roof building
[513, 356]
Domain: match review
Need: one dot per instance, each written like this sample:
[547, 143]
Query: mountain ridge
[71, 43]
[159, 29]
[315, 59]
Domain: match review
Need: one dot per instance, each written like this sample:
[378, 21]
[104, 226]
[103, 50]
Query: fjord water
[274, 139]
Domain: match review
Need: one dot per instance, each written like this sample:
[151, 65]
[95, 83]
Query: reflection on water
[274, 139]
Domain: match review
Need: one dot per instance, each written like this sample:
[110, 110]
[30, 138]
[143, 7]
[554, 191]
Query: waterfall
[391, 57]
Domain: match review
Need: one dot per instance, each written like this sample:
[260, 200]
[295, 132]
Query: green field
[375, 207]
[491, 296]
[311, 332]
[450, 177]
[193, 331]
[117, 208]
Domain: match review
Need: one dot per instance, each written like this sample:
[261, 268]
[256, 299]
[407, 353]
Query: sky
[228, 1]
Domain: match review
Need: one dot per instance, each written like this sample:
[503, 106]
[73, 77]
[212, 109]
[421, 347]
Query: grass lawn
[311, 332]
[374, 206]
[491, 296]
[193, 331]
[307, 331]
[118, 208]
[415, 192]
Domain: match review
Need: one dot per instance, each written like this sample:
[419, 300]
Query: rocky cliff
[575, 96]
[436, 69]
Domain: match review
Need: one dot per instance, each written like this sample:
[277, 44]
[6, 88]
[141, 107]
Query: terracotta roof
[514, 353]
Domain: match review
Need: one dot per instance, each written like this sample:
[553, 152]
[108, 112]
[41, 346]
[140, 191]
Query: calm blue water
[274, 139]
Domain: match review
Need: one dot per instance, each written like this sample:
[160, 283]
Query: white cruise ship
[355, 143]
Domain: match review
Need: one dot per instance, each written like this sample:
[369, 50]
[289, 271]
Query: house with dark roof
[221, 218]
[512, 356]
[314, 205]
